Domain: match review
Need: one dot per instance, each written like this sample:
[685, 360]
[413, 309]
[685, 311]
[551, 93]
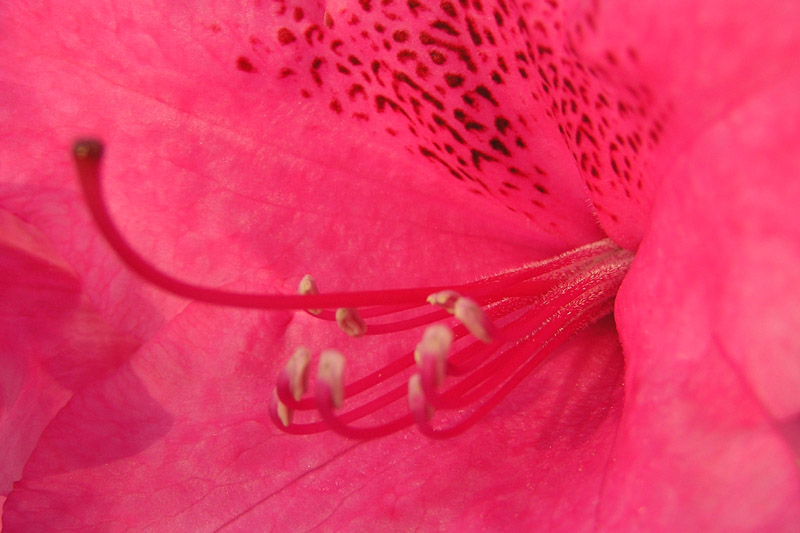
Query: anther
[309, 286]
[297, 372]
[331, 371]
[416, 399]
[446, 299]
[351, 322]
[436, 342]
[474, 318]
[284, 413]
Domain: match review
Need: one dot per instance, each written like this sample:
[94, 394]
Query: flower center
[479, 342]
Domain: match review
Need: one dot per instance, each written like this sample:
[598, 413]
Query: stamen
[309, 286]
[297, 372]
[487, 377]
[422, 418]
[284, 414]
[330, 373]
[351, 322]
[435, 344]
[505, 326]
[446, 299]
[366, 433]
[490, 371]
[416, 399]
[282, 418]
[474, 318]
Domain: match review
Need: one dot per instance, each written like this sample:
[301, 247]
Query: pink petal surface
[215, 183]
[52, 342]
[692, 62]
[709, 439]
[221, 463]
[117, 417]
[178, 438]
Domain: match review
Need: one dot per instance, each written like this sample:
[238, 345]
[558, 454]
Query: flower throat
[478, 340]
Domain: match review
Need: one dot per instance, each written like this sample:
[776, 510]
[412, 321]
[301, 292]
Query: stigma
[476, 340]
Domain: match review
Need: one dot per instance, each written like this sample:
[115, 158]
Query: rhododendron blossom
[546, 255]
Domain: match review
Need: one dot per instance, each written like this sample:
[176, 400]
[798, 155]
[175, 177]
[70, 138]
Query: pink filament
[539, 307]
[492, 371]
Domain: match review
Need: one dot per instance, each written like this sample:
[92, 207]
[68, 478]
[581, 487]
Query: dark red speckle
[285, 36]
[244, 64]
[423, 63]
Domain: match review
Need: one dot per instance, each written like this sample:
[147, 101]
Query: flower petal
[690, 63]
[180, 438]
[213, 183]
[455, 85]
[53, 343]
[708, 318]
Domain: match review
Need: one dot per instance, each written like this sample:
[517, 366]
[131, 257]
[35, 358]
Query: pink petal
[215, 183]
[127, 422]
[130, 85]
[53, 343]
[446, 83]
[179, 439]
[691, 63]
[709, 318]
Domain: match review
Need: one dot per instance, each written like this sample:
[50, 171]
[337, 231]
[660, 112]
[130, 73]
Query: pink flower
[250, 145]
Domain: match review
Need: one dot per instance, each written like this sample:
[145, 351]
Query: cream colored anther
[309, 286]
[436, 342]
[331, 371]
[475, 319]
[445, 299]
[416, 397]
[351, 322]
[284, 413]
[297, 372]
